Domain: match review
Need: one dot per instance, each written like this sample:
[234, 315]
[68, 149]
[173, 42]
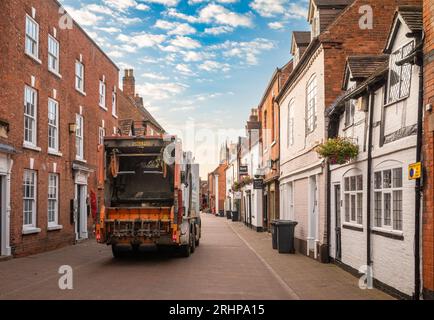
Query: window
[53, 125]
[32, 37]
[311, 105]
[53, 54]
[265, 131]
[79, 76]
[101, 135]
[53, 199]
[114, 105]
[350, 108]
[399, 76]
[102, 94]
[79, 137]
[291, 123]
[353, 194]
[29, 199]
[30, 110]
[388, 199]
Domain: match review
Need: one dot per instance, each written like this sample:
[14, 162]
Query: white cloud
[184, 69]
[154, 76]
[276, 25]
[121, 5]
[185, 42]
[192, 2]
[142, 39]
[83, 17]
[142, 7]
[193, 56]
[272, 8]
[109, 29]
[168, 3]
[185, 108]
[246, 50]
[115, 54]
[214, 13]
[211, 66]
[218, 30]
[161, 90]
[99, 9]
[175, 28]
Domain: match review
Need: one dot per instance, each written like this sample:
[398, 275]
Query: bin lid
[286, 222]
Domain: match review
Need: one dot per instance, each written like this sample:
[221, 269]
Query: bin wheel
[197, 242]
[185, 251]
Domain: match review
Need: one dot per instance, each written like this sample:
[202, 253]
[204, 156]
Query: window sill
[36, 59]
[80, 160]
[57, 74]
[31, 230]
[273, 143]
[392, 234]
[115, 116]
[353, 227]
[31, 147]
[104, 108]
[396, 101]
[55, 153]
[81, 92]
[55, 228]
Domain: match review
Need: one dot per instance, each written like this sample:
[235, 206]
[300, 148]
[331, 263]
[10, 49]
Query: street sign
[415, 171]
[237, 195]
[244, 170]
[258, 184]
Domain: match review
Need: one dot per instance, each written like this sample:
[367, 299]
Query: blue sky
[201, 61]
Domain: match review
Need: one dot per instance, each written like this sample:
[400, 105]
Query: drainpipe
[417, 58]
[369, 180]
[419, 187]
[328, 213]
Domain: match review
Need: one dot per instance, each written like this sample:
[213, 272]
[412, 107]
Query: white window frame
[33, 39]
[55, 199]
[102, 95]
[291, 122]
[396, 93]
[114, 104]
[101, 135]
[79, 137]
[395, 192]
[79, 76]
[353, 199]
[54, 126]
[350, 111]
[31, 177]
[311, 104]
[53, 56]
[32, 118]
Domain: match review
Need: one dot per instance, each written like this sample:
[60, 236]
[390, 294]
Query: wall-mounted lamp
[72, 127]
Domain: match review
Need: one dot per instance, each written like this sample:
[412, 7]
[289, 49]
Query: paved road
[223, 267]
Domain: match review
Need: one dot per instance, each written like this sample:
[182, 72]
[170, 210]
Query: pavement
[231, 263]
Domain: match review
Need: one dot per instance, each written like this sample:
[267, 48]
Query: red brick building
[59, 98]
[428, 213]
[268, 111]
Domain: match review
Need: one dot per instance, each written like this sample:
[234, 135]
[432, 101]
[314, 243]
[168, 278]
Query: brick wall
[428, 212]
[16, 72]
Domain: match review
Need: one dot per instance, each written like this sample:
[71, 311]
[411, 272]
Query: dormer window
[315, 25]
[399, 75]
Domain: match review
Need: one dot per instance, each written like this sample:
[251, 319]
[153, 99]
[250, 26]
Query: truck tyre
[193, 240]
[185, 251]
[197, 239]
[117, 254]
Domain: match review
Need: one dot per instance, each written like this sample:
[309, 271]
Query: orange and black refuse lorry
[151, 195]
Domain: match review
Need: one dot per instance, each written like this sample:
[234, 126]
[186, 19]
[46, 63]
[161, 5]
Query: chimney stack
[129, 83]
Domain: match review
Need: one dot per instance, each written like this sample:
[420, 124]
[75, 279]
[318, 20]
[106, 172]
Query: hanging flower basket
[240, 184]
[338, 150]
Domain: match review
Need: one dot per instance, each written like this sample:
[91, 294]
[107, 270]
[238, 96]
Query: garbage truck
[151, 195]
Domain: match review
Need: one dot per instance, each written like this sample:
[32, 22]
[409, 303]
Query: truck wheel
[193, 240]
[185, 251]
[117, 254]
[197, 240]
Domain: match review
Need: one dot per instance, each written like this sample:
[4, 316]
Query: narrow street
[223, 267]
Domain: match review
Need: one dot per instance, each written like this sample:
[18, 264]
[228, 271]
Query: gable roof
[361, 67]
[302, 38]
[412, 16]
[332, 3]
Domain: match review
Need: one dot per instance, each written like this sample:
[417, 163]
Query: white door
[313, 212]
[81, 212]
[290, 192]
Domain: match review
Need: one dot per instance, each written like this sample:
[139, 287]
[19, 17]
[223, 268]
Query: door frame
[6, 164]
[337, 220]
[313, 214]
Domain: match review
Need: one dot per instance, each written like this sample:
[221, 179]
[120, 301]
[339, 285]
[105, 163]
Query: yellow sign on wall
[415, 171]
